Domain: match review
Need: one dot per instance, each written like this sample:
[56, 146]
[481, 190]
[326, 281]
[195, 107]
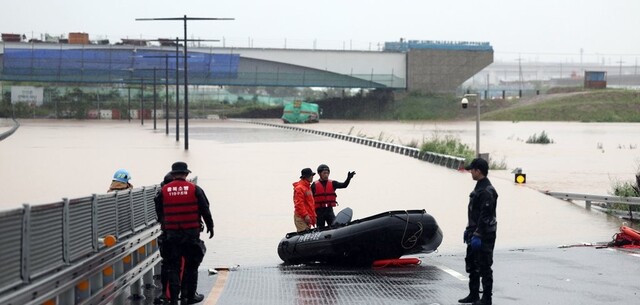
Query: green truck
[301, 112]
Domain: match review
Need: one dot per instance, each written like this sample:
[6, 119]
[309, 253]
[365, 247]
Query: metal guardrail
[435, 158]
[52, 253]
[588, 199]
[9, 132]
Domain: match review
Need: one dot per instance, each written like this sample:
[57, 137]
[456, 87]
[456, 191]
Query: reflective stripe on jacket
[180, 206]
[325, 196]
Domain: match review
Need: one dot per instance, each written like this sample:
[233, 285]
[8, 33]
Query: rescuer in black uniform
[480, 234]
[181, 207]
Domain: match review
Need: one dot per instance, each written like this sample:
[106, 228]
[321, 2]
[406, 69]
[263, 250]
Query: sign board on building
[27, 94]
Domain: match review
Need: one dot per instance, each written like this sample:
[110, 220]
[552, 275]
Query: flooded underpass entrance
[247, 171]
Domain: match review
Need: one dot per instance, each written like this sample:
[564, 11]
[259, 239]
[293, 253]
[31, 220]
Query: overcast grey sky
[543, 29]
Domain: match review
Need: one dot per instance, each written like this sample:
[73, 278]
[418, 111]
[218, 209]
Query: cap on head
[179, 168]
[122, 175]
[479, 164]
[322, 168]
[306, 173]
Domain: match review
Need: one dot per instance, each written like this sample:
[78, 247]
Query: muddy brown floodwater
[247, 171]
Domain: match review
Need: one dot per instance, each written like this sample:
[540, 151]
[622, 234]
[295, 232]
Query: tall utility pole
[620, 62]
[520, 77]
[186, 81]
[178, 90]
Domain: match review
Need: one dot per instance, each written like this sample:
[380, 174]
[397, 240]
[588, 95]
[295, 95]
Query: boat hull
[386, 235]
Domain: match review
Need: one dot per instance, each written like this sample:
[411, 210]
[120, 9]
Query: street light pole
[129, 103]
[465, 102]
[166, 82]
[186, 90]
[166, 94]
[184, 18]
[477, 127]
[141, 101]
[177, 89]
[155, 100]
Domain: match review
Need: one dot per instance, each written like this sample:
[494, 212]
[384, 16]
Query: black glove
[466, 238]
[210, 231]
[351, 174]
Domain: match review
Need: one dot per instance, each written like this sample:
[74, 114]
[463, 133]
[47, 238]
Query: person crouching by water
[324, 195]
[180, 207]
[480, 234]
[120, 181]
[304, 212]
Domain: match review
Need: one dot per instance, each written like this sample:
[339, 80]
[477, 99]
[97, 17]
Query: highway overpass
[424, 66]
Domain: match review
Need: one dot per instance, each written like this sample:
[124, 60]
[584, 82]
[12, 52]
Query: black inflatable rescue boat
[360, 242]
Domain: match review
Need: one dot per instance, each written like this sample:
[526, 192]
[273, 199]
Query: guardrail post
[119, 299]
[65, 231]
[82, 291]
[143, 253]
[67, 297]
[136, 291]
[118, 269]
[94, 222]
[126, 263]
[108, 275]
[117, 221]
[144, 207]
[587, 204]
[26, 247]
[133, 212]
[96, 282]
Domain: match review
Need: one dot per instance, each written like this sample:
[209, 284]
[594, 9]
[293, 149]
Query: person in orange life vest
[120, 181]
[180, 206]
[324, 195]
[304, 213]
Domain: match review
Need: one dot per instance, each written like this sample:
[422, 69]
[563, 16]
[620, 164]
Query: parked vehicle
[301, 112]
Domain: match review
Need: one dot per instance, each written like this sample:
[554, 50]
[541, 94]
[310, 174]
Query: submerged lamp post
[465, 103]
[184, 18]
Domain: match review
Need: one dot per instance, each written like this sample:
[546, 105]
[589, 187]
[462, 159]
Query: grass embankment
[608, 105]
[588, 106]
[424, 107]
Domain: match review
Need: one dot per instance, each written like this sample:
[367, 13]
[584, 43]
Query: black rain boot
[487, 289]
[471, 298]
[474, 288]
[483, 301]
[196, 298]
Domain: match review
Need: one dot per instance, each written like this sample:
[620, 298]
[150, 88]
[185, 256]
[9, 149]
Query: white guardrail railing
[85, 250]
[435, 158]
[589, 199]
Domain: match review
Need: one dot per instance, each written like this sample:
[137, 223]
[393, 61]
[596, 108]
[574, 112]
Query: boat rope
[410, 241]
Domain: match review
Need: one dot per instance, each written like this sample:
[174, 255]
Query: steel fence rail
[448, 161]
[54, 253]
[9, 132]
[588, 198]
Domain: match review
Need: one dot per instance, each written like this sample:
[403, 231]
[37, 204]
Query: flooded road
[247, 171]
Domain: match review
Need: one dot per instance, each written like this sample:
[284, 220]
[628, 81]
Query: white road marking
[452, 272]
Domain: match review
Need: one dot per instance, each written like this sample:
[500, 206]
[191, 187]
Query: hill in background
[564, 104]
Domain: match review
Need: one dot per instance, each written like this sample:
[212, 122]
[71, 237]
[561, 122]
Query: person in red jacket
[304, 212]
